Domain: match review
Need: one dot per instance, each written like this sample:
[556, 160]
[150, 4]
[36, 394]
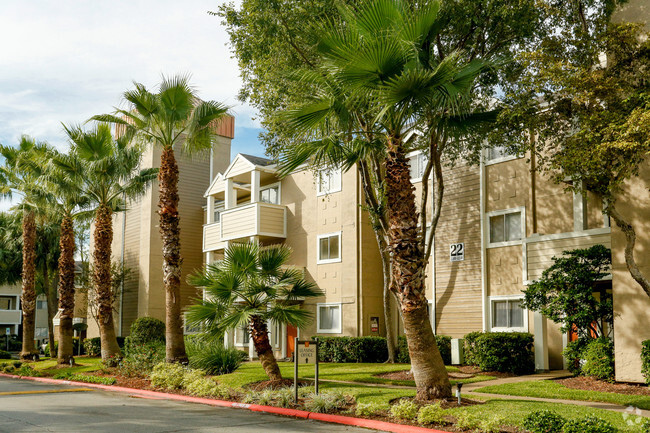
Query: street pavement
[27, 406]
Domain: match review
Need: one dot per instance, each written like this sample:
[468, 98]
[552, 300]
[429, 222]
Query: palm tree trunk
[50, 293]
[171, 251]
[386, 295]
[102, 238]
[260, 336]
[28, 297]
[66, 291]
[408, 277]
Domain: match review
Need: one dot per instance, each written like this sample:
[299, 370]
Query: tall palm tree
[64, 188]
[171, 118]
[379, 78]
[248, 289]
[20, 175]
[107, 170]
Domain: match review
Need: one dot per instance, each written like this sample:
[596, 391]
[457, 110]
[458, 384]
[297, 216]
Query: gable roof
[257, 160]
[215, 186]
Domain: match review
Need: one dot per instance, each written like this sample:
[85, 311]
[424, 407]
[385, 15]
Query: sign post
[306, 352]
[7, 332]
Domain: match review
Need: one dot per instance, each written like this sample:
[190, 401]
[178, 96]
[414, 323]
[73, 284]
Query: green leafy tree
[565, 292]
[21, 176]
[248, 289]
[11, 260]
[172, 118]
[47, 258]
[108, 173]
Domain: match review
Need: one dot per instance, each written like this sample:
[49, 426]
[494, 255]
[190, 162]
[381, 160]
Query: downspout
[123, 254]
[359, 268]
[483, 243]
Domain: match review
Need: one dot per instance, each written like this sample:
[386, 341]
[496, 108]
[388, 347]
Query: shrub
[469, 341]
[48, 351]
[324, 402]
[574, 354]
[265, 397]
[8, 368]
[510, 352]
[93, 346]
[284, 397]
[352, 349]
[368, 409]
[147, 330]
[195, 382]
[16, 363]
[140, 359]
[243, 355]
[92, 379]
[5, 355]
[405, 409]
[466, 421]
[645, 360]
[444, 346]
[431, 414]
[544, 421]
[589, 424]
[26, 370]
[491, 424]
[599, 359]
[212, 357]
[168, 376]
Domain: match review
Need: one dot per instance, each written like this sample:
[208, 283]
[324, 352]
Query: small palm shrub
[146, 330]
[544, 421]
[405, 409]
[599, 359]
[167, 376]
[368, 409]
[431, 414]
[588, 424]
[212, 357]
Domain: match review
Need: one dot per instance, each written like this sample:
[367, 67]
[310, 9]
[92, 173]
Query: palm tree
[20, 175]
[64, 188]
[107, 172]
[380, 82]
[248, 289]
[171, 118]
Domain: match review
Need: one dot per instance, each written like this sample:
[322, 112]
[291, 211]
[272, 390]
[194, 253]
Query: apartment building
[11, 315]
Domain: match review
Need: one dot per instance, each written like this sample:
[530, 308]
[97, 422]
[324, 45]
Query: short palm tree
[20, 175]
[64, 187]
[108, 173]
[171, 119]
[249, 288]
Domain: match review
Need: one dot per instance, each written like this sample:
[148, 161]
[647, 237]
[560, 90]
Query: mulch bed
[591, 384]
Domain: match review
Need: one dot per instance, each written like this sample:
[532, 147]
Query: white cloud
[65, 61]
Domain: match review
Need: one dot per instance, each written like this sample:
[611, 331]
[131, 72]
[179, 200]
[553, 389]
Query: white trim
[484, 292]
[524, 328]
[410, 155]
[238, 343]
[488, 215]
[327, 235]
[329, 304]
[568, 235]
[269, 186]
[488, 162]
[318, 181]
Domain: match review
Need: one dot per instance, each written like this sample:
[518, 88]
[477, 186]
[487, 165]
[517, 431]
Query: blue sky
[64, 61]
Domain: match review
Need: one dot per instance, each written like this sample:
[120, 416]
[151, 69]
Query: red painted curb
[295, 413]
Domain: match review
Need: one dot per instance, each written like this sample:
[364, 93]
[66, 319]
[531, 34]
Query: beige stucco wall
[631, 304]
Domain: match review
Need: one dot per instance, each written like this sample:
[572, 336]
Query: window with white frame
[270, 194]
[417, 164]
[329, 318]
[275, 331]
[508, 314]
[7, 302]
[41, 305]
[497, 153]
[242, 336]
[329, 248]
[40, 333]
[505, 227]
[329, 181]
[219, 206]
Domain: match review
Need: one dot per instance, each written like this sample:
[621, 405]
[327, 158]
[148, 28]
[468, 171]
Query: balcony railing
[10, 316]
[255, 219]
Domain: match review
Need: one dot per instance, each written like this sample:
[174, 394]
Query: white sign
[306, 353]
[8, 331]
[457, 252]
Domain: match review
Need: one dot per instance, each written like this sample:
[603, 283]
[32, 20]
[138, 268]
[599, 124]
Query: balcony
[10, 316]
[262, 220]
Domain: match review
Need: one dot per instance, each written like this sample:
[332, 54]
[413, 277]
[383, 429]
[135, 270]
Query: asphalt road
[27, 406]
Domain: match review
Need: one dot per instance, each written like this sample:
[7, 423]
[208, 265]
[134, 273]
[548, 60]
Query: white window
[219, 206]
[329, 181]
[41, 305]
[7, 302]
[242, 337]
[417, 163]
[508, 314]
[329, 318]
[275, 332]
[506, 227]
[329, 248]
[270, 194]
[499, 154]
[40, 333]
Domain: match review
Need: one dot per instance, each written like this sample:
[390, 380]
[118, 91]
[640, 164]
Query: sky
[64, 61]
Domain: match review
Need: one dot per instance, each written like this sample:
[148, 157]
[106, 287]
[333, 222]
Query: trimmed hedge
[352, 349]
[507, 352]
[645, 360]
[444, 346]
[599, 359]
[147, 330]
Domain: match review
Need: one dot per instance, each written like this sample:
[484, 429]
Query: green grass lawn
[552, 389]
[353, 372]
[513, 412]
[83, 365]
